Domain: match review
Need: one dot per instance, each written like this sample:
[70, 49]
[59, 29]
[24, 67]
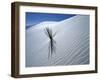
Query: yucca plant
[52, 43]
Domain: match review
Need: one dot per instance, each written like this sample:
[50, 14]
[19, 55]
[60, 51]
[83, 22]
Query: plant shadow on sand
[52, 43]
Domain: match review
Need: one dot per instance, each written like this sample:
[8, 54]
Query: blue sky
[35, 18]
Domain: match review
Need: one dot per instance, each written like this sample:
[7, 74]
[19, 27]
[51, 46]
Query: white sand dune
[72, 43]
